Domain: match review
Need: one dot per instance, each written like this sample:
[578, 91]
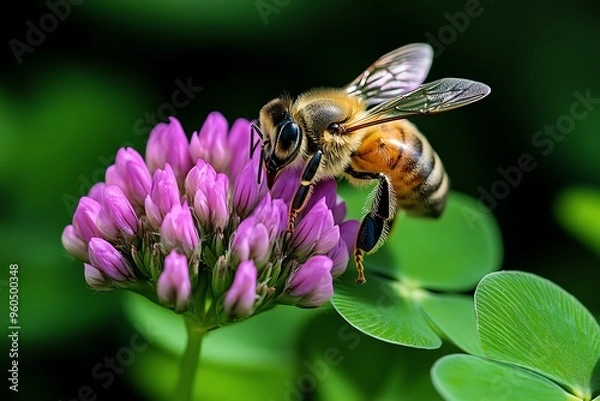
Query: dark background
[78, 96]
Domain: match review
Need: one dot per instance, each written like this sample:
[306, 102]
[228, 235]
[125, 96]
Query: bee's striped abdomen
[400, 151]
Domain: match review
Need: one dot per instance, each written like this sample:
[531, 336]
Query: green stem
[189, 361]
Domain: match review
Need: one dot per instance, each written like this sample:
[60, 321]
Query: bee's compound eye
[288, 138]
[334, 128]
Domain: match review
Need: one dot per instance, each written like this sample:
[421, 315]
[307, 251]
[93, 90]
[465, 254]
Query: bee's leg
[253, 146]
[306, 186]
[376, 224]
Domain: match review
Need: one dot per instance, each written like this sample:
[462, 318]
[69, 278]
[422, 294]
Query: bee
[361, 132]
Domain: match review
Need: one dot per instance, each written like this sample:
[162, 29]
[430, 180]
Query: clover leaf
[397, 304]
[538, 341]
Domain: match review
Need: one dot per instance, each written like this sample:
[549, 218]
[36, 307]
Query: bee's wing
[433, 97]
[393, 74]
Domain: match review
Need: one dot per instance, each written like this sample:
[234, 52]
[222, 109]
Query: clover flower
[190, 227]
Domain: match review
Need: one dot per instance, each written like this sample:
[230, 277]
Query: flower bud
[339, 256]
[168, 144]
[245, 192]
[174, 286]
[251, 241]
[96, 191]
[210, 201]
[316, 232]
[311, 283]
[348, 233]
[74, 244]
[163, 195]
[238, 139]
[286, 185]
[85, 216]
[95, 278]
[273, 214]
[222, 276]
[240, 298]
[323, 190]
[339, 211]
[179, 231]
[117, 217]
[131, 174]
[108, 260]
[210, 144]
[201, 172]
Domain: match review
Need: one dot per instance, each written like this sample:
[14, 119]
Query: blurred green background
[104, 72]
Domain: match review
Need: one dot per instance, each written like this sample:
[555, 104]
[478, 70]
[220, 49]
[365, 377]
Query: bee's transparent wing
[393, 74]
[433, 97]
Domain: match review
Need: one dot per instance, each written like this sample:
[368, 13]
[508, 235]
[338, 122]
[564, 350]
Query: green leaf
[240, 344]
[466, 240]
[467, 246]
[469, 378]
[450, 253]
[454, 315]
[578, 211]
[384, 309]
[345, 364]
[529, 321]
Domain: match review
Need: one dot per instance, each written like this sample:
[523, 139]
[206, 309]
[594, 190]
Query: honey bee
[360, 132]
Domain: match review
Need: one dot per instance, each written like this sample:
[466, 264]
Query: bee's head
[282, 136]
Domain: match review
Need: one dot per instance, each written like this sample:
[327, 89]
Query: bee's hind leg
[376, 224]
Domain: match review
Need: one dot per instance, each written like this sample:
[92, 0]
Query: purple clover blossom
[209, 193]
[74, 244]
[178, 230]
[85, 218]
[97, 190]
[116, 217]
[311, 282]
[316, 233]
[163, 195]
[240, 298]
[191, 225]
[168, 144]
[108, 260]
[131, 174]
[95, 278]
[251, 241]
[173, 285]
